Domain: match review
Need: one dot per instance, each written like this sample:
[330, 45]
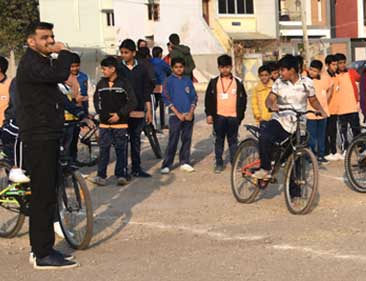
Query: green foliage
[15, 17]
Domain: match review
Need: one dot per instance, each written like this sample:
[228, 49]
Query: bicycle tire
[355, 184]
[90, 159]
[150, 133]
[287, 186]
[244, 145]
[69, 235]
[20, 217]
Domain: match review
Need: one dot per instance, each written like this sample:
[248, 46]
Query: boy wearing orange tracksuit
[348, 99]
[260, 94]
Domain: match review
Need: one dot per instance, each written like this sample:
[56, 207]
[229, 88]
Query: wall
[346, 18]
[266, 15]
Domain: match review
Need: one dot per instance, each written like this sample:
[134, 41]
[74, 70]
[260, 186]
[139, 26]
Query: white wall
[265, 12]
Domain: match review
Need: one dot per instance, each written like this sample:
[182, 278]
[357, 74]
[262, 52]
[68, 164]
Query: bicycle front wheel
[301, 181]
[246, 161]
[75, 210]
[355, 164]
[11, 218]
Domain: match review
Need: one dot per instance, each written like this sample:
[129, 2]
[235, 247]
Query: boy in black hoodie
[114, 99]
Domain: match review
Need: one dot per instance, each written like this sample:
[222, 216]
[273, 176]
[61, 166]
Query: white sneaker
[165, 171]
[341, 156]
[262, 175]
[331, 157]
[58, 229]
[187, 168]
[17, 175]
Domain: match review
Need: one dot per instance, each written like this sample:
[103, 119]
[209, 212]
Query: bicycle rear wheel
[301, 181]
[355, 164]
[75, 210]
[246, 160]
[88, 148]
[150, 133]
[11, 218]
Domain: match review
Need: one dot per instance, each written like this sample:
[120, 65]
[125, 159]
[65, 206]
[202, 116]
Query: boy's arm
[255, 107]
[148, 90]
[168, 101]
[314, 102]
[167, 69]
[208, 109]
[96, 100]
[244, 98]
[271, 102]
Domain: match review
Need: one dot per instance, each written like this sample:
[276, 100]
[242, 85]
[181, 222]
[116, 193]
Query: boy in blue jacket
[162, 71]
[181, 98]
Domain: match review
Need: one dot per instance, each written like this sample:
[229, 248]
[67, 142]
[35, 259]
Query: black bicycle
[300, 172]
[150, 133]
[88, 146]
[74, 208]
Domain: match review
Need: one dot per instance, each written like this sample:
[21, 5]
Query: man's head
[128, 50]
[332, 64]
[75, 65]
[3, 65]
[157, 52]
[174, 39]
[264, 74]
[109, 67]
[225, 65]
[141, 43]
[300, 60]
[40, 37]
[178, 65]
[289, 67]
[315, 69]
[342, 62]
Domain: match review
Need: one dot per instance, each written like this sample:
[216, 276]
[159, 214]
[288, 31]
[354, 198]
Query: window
[238, 7]
[153, 11]
[110, 17]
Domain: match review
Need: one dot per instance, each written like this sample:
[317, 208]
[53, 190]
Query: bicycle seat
[254, 130]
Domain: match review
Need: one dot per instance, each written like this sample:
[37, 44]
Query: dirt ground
[189, 227]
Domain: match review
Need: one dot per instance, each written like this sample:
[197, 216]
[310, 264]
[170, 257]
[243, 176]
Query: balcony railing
[286, 15]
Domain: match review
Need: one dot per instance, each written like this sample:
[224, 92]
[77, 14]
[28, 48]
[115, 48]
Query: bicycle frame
[8, 195]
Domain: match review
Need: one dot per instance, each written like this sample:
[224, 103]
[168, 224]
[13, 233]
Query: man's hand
[88, 122]
[180, 116]
[57, 47]
[188, 116]
[209, 120]
[80, 98]
[324, 114]
[114, 118]
[274, 108]
[148, 117]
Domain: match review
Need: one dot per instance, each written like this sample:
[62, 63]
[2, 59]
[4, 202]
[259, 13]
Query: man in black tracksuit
[114, 99]
[40, 116]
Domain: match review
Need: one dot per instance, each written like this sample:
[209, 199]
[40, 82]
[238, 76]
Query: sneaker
[323, 161]
[99, 181]
[141, 174]
[54, 261]
[122, 181]
[262, 175]
[331, 157]
[165, 171]
[17, 175]
[32, 257]
[219, 168]
[58, 229]
[340, 156]
[187, 168]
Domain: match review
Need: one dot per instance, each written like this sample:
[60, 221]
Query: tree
[15, 17]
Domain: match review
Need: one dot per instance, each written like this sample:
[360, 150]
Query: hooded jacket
[259, 97]
[184, 52]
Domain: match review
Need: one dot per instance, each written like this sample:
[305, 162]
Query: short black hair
[109, 61]
[174, 39]
[157, 51]
[272, 66]
[329, 59]
[264, 68]
[3, 65]
[139, 42]
[75, 58]
[288, 62]
[224, 60]
[31, 30]
[178, 60]
[128, 44]
[340, 56]
[317, 64]
[144, 52]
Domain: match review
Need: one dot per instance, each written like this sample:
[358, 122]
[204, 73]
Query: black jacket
[39, 102]
[211, 99]
[140, 81]
[118, 99]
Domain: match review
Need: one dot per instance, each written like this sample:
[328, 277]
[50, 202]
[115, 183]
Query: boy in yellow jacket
[260, 94]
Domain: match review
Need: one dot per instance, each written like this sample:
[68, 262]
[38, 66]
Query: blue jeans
[119, 139]
[183, 130]
[225, 127]
[317, 130]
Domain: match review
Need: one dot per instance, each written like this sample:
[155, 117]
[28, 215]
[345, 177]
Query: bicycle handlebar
[298, 113]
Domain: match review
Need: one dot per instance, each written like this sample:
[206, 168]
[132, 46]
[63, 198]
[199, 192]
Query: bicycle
[300, 171]
[88, 146]
[74, 207]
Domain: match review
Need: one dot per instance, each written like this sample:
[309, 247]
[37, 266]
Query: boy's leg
[322, 128]
[120, 141]
[135, 127]
[67, 140]
[186, 137]
[162, 113]
[105, 142]
[331, 138]
[174, 132]
[220, 127]
[74, 142]
[313, 134]
[232, 136]
[344, 120]
[355, 124]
